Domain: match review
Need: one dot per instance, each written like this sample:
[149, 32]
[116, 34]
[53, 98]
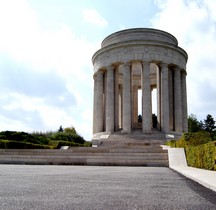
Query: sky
[46, 47]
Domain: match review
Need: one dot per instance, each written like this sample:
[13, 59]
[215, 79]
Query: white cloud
[44, 52]
[93, 17]
[193, 23]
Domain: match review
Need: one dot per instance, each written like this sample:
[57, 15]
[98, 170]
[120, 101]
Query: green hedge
[202, 156]
[67, 143]
[70, 137]
[38, 140]
[195, 139]
[72, 144]
[7, 144]
[191, 139]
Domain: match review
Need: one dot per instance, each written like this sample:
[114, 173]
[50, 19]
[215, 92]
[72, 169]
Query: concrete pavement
[204, 177]
[90, 187]
[177, 162]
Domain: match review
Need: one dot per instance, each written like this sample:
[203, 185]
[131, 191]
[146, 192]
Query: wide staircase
[118, 149]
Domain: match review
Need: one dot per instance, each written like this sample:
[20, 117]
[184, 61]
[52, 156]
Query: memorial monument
[139, 59]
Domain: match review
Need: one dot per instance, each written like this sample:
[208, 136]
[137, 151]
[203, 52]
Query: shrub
[171, 143]
[13, 135]
[67, 143]
[191, 139]
[22, 140]
[195, 139]
[87, 144]
[71, 137]
[202, 156]
[40, 138]
[7, 144]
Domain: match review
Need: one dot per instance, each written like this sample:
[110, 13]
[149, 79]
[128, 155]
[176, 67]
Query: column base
[147, 131]
[126, 131]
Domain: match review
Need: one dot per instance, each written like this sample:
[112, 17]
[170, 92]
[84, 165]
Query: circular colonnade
[139, 59]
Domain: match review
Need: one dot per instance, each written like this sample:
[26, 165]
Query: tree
[209, 123]
[70, 130]
[193, 124]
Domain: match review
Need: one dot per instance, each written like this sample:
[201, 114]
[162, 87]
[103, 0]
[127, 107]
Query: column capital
[110, 67]
[163, 65]
[145, 62]
[126, 64]
[177, 68]
[184, 72]
[99, 72]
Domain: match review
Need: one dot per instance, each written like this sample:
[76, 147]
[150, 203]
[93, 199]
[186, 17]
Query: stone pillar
[177, 100]
[116, 95]
[135, 105]
[110, 100]
[126, 106]
[171, 100]
[151, 89]
[120, 106]
[158, 98]
[146, 98]
[98, 103]
[184, 102]
[164, 98]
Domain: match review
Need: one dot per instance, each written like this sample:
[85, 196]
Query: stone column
[126, 106]
[116, 95]
[177, 99]
[158, 99]
[164, 98]
[110, 100]
[184, 102]
[120, 106]
[171, 100]
[135, 105]
[146, 98]
[98, 103]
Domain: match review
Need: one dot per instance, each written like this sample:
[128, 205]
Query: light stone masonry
[139, 59]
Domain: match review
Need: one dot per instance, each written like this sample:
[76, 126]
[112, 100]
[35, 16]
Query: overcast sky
[46, 46]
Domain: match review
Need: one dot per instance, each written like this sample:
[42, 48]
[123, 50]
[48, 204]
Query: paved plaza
[90, 187]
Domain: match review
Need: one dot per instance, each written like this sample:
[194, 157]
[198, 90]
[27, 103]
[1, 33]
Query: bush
[67, 143]
[71, 137]
[7, 144]
[22, 140]
[87, 144]
[191, 139]
[14, 135]
[171, 143]
[40, 138]
[195, 139]
[202, 156]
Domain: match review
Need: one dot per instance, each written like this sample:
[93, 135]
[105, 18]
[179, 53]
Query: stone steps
[88, 155]
[116, 150]
[83, 150]
[119, 160]
[131, 156]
